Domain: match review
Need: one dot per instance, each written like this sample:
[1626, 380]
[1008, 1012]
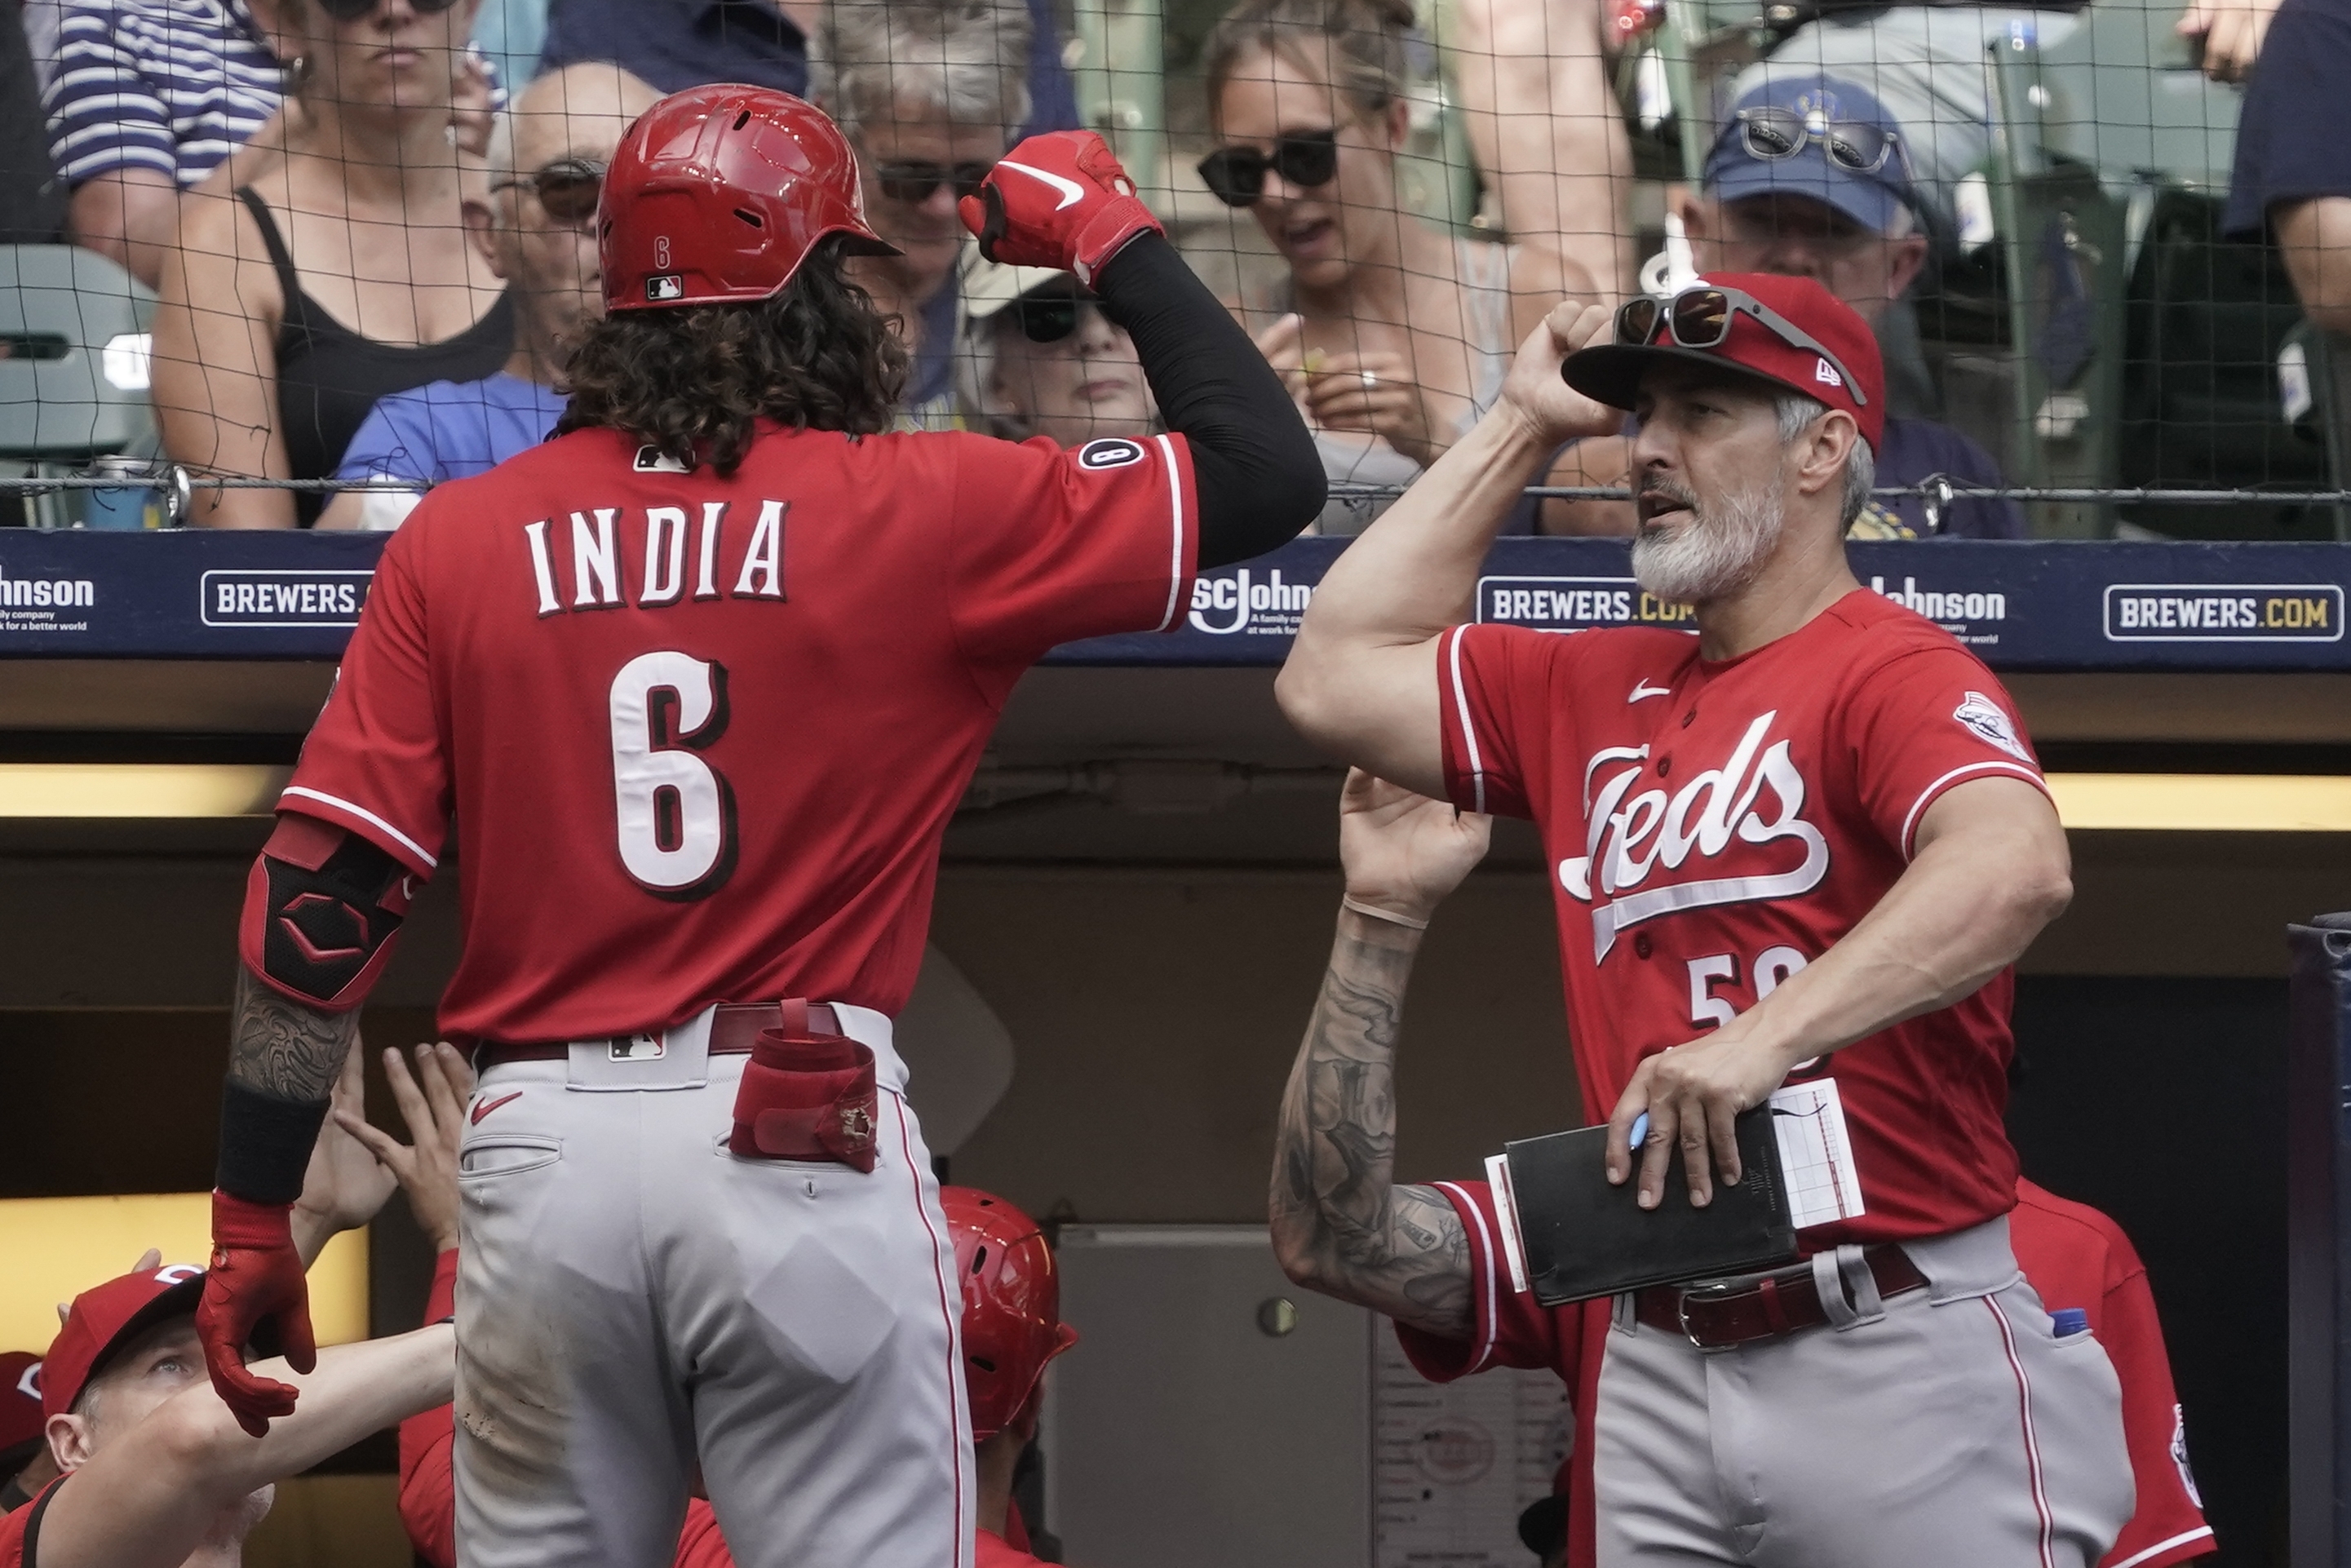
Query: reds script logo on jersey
[1731, 834]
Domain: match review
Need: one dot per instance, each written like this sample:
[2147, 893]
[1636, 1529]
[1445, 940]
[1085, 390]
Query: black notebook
[1578, 1237]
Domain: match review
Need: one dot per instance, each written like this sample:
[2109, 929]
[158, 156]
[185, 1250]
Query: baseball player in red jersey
[700, 681]
[1800, 847]
[1427, 1254]
[156, 1474]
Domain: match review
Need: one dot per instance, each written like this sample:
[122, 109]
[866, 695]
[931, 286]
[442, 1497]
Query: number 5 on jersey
[676, 813]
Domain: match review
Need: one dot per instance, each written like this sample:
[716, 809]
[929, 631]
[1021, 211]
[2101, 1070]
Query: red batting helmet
[1012, 1305]
[717, 194]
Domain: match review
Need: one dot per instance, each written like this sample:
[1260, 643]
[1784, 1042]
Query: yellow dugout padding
[59, 1247]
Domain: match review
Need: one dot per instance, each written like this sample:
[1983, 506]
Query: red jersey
[1715, 826]
[2076, 1257]
[702, 737]
[20, 1530]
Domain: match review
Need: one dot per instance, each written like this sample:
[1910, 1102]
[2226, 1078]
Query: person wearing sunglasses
[1801, 838]
[1044, 359]
[340, 274]
[536, 226]
[929, 93]
[1392, 334]
[1809, 178]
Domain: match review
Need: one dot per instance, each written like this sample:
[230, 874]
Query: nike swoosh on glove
[1059, 200]
[256, 1279]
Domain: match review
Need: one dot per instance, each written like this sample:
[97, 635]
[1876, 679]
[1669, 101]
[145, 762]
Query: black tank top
[328, 377]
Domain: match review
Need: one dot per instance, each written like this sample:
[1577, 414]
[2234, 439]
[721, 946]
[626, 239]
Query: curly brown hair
[814, 355]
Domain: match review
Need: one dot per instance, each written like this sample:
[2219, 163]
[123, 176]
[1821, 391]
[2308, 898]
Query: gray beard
[1714, 554]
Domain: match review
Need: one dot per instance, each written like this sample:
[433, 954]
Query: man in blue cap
[1812, 177]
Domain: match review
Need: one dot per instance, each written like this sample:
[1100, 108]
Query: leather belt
[1766, 1306]
[732, 1028]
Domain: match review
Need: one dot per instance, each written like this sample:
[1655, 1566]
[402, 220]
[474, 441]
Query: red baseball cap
[1849, 375]
[105, 1318]
[21, 1417]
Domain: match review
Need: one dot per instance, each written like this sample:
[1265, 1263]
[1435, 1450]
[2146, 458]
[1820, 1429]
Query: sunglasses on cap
[352, 10]
[1237, 174]
[568, 188]
[1700, 317]
[1051, 317]
[912, 180]
[1772, 134]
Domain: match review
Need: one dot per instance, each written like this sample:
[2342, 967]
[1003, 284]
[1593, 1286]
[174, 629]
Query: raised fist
[1059, 200]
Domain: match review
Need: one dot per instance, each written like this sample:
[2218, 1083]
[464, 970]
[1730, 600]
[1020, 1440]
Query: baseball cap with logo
[21, 1418]
[1819, 136]
[1790, 332]
[106, 1318]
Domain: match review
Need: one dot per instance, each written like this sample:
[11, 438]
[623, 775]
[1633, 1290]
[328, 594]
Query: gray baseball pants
[632, 1295]
[1944, 1428]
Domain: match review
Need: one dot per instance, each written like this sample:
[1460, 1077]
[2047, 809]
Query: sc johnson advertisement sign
[2224, 613]
[38, 605]
[1257, 603]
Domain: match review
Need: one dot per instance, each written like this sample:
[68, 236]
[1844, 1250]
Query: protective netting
[357, 251]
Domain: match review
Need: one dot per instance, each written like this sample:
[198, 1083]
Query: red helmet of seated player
[717, 194]
[1012, 1305]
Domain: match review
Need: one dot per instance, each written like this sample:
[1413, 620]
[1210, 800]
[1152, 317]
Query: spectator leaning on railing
[929, 93]
[341, 276]
[1809, 178]
[537, 229]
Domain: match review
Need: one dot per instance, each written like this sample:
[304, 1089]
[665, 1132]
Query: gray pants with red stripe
[1942, 1428]
[633, 1296]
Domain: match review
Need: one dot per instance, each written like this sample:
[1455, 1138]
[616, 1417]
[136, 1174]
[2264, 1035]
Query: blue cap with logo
[1815, 136]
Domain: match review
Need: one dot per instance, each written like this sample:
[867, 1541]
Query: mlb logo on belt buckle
[639, 1048]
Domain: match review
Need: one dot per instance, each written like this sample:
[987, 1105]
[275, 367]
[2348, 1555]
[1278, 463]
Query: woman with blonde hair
[341, 273]
[1394, 335]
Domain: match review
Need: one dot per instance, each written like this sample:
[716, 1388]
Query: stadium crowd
[371, 253]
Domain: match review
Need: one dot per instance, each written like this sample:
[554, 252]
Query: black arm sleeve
[1259, 477]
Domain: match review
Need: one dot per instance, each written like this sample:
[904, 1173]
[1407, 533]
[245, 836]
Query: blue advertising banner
[2021, 606]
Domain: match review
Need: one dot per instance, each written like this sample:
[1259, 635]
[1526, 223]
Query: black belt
[1765, 1307]
[734, 1026]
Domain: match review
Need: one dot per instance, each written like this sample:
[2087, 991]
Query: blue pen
[1640, 1132]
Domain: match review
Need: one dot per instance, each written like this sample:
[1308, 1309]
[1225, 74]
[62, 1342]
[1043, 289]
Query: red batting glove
[255, 1277]
[1058, 199]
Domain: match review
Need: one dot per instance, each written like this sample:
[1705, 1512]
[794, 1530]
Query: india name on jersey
[1714, 827]
[700, 736]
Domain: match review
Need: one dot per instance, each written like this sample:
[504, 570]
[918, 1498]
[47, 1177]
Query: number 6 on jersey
[676, 812]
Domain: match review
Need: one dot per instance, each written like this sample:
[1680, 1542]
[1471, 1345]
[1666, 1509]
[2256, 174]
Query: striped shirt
[171, 85]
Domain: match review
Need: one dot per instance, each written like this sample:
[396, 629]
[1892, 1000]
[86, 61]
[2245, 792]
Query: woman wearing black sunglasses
[1392, 333]
[341, 273]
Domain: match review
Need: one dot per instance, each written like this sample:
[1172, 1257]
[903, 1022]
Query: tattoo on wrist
[280, 1047]
[1399, 1251]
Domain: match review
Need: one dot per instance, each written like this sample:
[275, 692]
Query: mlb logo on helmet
[663, 287]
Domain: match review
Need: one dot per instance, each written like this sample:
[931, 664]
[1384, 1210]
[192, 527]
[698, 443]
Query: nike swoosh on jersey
[1071, 192]
[486, 1106]
[1643, 689]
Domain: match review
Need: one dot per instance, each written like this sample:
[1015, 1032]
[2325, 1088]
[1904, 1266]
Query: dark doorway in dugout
[2162, 1101]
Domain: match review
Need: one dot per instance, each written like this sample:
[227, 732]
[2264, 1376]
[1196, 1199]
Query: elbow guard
[322, 909]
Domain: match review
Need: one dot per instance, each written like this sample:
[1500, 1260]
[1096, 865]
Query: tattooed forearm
[1340, 1223]
[280, 1047]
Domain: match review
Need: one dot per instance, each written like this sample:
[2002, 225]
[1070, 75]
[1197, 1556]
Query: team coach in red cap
[1800, 847]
